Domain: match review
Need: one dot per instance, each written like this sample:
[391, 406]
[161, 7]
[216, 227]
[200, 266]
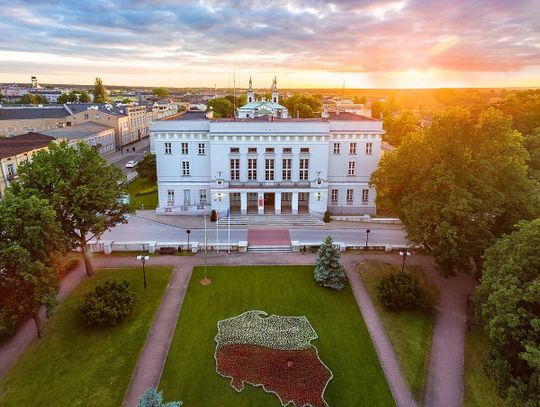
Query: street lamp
[188, 233]
[367, 238]
[143, 260]
[404, 253]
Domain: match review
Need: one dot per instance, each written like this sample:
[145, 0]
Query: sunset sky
[361, 44]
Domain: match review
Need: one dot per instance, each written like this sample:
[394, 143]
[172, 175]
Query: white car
[131, 164]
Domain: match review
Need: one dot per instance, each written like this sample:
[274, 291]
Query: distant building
[337, 108]
[262, 108]
[15, 120]
[99, 136]
[17, 150]
[51, 95]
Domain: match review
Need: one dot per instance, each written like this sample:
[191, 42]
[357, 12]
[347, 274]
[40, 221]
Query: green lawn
[344, 343]
[75, 365]
[150, 201]
[409, 332]
[479, 389]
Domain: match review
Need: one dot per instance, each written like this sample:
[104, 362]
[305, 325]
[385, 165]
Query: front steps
[271, 220]
[269, 249]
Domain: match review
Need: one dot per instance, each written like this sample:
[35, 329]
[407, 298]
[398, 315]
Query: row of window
[269, 169]
[187, 197]
[353, 148]
[185, 148]
[349, 196]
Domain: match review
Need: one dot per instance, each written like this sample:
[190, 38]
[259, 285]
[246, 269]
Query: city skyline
[307, 44]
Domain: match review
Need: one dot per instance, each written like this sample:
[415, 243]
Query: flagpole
[217, 233]
[229, 231]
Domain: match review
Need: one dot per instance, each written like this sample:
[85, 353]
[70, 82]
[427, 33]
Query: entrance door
[269, 202]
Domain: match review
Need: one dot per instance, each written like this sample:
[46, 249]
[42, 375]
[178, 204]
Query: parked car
[131, 164]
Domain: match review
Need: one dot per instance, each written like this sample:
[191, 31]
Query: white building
[261, 108]
[266, 164]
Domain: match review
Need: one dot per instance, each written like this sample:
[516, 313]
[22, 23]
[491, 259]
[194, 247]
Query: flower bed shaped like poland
[274, 352]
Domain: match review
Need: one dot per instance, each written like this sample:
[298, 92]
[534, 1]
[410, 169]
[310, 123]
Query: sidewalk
[138, 145]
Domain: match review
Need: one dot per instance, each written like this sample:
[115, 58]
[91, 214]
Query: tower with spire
[275, 94]
[250, 93]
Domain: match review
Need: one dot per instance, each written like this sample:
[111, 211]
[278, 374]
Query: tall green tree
[458, 185]
[26, 285]
[100, 93]
[160, 92]
[85, 191]
[31, 223]
[508, 301]
[532, 143]
[222, 107]
[329, 271]
[398, 127]
[146, 168]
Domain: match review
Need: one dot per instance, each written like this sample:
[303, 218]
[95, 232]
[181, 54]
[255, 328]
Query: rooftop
[79, 131]
[11, 146]
[27, 112]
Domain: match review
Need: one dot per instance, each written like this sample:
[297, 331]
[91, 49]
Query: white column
[277, 203]
[243, 203]
[260, 203]
[294, 203]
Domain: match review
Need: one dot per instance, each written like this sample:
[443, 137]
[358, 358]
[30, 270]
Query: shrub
[109, 304]
[327, 217]
[152, 398]
[401, 291]
[8, 324]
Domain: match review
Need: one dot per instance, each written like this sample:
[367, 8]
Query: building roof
[80, 131]
[11, 146]
[347, 116]
[190, 115]
[21, 113]
[109, 108]
[262, 105]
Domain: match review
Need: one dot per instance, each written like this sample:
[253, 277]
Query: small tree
[84, 190]
[108, 304]
[100, 93]
[152, 398]
[401, 291]
[328, 270]
[26, 285]
[146, 168]
[160, 92]
[84, 97]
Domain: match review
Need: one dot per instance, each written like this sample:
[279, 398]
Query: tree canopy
[33, 99]
[303, 106]
[458, 185]
[160, 92]
[222, 107]
[100, 93]
[397, 127]
[146, 168]
[508, 301]
[85, 191]
[70, 97]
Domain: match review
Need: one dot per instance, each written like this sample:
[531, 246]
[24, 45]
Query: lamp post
[367, 238]
[143, 260]
[404, 253]
[188, 233]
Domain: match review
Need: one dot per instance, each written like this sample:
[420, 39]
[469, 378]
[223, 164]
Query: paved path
[389, 362]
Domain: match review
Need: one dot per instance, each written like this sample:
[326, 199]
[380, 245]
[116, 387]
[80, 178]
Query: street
[121, 158]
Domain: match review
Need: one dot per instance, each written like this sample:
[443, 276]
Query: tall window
[235, 169]
[202, 196]
[252, 168]
[352, 148]
[187, 197]
[168, 148]
[365, 196]
[337, 148]
[334, 196]
[170, 197]
[369, 148]
[202, 149]
[185, 149]
[10, 170]
[269, 170]
[304, 169]
[352, 168]
[349, 197]
[287, 169]
[185, 168]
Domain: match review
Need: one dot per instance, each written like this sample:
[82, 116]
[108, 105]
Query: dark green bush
[109, 304]
[327, 217]
[401, 291]
[8, 324]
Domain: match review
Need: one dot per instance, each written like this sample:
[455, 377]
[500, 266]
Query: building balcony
[269, 184]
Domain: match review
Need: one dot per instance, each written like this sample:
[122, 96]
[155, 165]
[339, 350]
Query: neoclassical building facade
[266, 164]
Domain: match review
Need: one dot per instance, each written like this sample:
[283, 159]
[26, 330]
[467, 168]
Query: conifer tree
[152, 398]
[328, 271]
[100, 93]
